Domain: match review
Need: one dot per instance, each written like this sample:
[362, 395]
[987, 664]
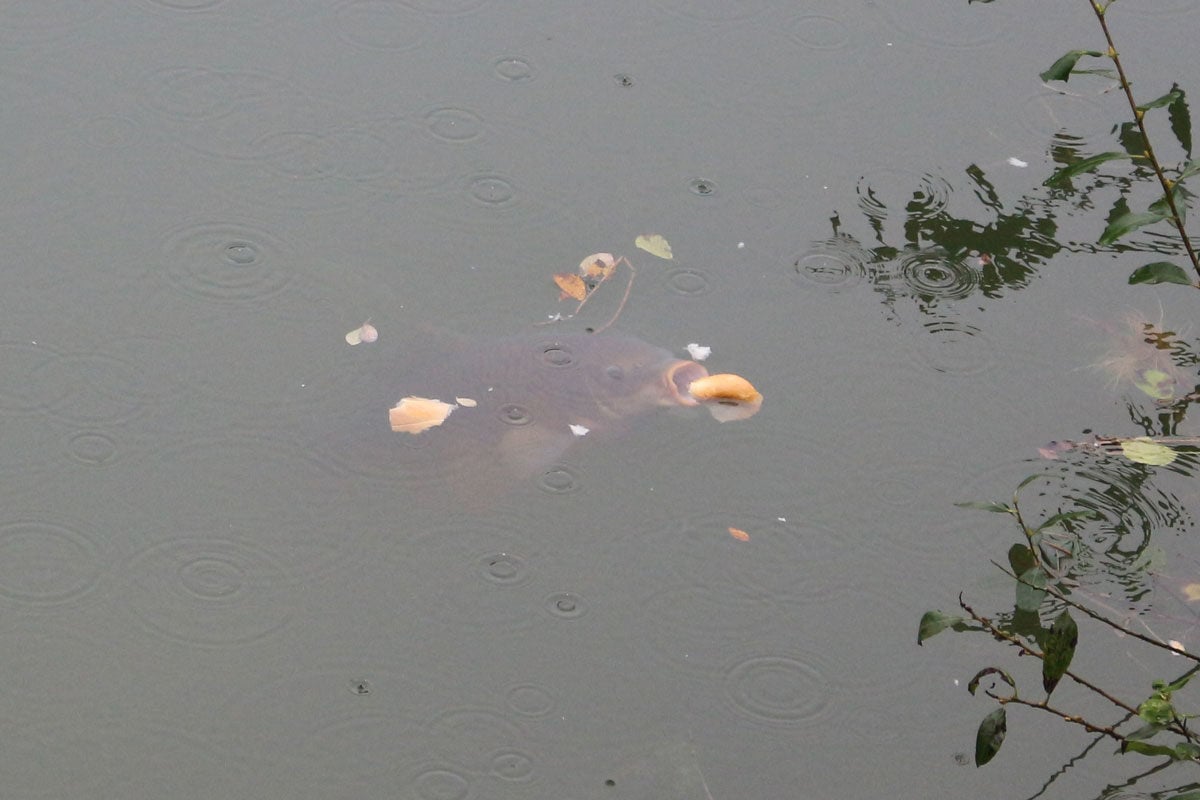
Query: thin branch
[1139, 118]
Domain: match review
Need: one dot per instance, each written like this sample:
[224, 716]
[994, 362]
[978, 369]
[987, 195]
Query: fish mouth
[678, 377]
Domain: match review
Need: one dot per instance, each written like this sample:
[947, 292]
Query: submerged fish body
[512, 407]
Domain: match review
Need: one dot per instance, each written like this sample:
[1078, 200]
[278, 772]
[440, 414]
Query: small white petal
[579, 430]
[1016, 162]
[698, 352]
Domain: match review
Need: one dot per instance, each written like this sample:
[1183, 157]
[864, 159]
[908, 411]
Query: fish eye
[615, 372]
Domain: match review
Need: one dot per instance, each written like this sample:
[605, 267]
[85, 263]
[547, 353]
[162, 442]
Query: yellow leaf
[1144, 450]
[1192, 592]
[655, 245]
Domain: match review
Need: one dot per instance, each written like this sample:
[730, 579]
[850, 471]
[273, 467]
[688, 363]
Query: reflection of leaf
[934, 622]
[571, 285]
[1155, 383]
[1031, 589]
[1144, 450]
[655, 245]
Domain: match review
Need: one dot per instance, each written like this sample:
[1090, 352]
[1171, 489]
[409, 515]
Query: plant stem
[1139, 118]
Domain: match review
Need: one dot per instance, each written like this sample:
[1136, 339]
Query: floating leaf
[655, 245]
[571, 285]
[1192, 592]
[1063, 175]
[1060, 649]
[1159, 272]
[417, 414]
[1144, 450]
[990, 736]
[1061, 70]
[739, 534]
[1127, 222]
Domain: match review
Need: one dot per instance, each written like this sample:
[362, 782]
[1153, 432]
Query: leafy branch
[1172, 204]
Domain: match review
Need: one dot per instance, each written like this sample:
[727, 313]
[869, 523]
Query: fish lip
[678, 377]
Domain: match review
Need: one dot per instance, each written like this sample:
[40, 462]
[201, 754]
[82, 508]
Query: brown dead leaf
[571, 285]
[739, 534]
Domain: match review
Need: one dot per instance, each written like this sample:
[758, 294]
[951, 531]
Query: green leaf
[1144, 450]
[1060, 649]
[1161, 206]
[990, 736]
[1189, 169]
[1167, 99]
[1062, 176]
[934, 622]
[1031, 589]
[1175, 686]
[1147, 749]
[1159, 272]
[1127, 222]
[1021, 559]
[981, 505]
[1156, 710]
[1144, 732]
[1187, 751]
[1061, 70]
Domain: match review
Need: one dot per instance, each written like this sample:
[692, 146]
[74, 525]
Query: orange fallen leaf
[571, 285]
[739, 534]
[417, 414]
